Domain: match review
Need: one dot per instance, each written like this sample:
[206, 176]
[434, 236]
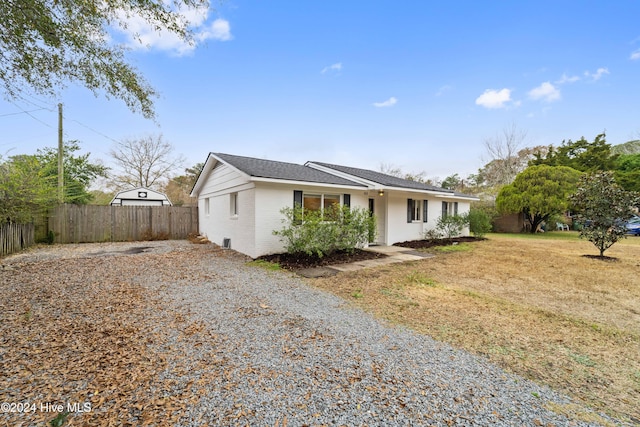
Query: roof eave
[209, 164]
[415, 190]
[311, 183]
[460, 197]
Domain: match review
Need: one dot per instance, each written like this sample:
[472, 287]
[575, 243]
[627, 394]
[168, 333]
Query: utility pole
[60, 157]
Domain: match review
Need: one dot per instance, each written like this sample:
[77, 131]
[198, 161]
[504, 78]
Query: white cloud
[218, 30]
[388, 103]
[597, 75]
[546, 92]
[567, 79]
[494, 98]
[140, 35]
[333, 67]
[635, 55]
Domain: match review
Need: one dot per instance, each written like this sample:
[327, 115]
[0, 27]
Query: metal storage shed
[140, 197]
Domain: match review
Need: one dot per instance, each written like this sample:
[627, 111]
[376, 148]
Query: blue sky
[415, 84]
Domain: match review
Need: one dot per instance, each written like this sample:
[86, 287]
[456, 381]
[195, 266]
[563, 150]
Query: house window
[233, 204]
[330, 200]
[206, 206]
[413, 210]
[320, 202]
[312, 202]
[449, 208]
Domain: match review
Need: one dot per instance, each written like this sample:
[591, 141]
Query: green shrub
[451, 225]
[479, 222]
[319, 233]
[431, 235]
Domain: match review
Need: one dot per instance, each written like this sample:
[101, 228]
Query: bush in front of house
[451, 226]
[479, 222]
[320, 233]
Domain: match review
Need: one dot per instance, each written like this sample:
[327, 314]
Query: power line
[23, 112]
[49, 106]
[96, 131]
[32, 116]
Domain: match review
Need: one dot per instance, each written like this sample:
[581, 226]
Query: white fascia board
[209, 165]
[246, 175]
[452, 196]
[415, 190]
[310, 183]
[370, 184]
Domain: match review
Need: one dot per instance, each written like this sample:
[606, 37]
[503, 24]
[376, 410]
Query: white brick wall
[220, 224]
[399, 230]
[259, 205]
[271, 198]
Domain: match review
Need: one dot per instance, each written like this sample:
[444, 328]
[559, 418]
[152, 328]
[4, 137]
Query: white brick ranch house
[240, 199]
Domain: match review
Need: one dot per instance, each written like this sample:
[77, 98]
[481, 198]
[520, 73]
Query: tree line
[28, 182]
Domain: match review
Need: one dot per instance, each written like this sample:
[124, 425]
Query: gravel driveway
[259, 347]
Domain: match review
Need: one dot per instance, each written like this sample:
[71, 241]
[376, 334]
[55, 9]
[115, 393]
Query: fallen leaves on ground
[80, 336]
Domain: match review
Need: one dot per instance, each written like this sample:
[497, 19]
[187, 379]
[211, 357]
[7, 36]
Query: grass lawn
[531, 304]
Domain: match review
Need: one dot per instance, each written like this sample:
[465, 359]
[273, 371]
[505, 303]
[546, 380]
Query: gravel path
[266, 348]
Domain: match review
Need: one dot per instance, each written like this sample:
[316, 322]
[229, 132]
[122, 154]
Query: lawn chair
[561, 226]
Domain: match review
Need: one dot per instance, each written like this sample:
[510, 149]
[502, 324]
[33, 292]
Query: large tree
[178, 189]
[499, 172]
[28, 182]
[603, 206]
[145, 162]
[539, 192]
[627, 171]
[79, 171]
[505, 157]
[581, 155]
[44, 44]
[26, 189]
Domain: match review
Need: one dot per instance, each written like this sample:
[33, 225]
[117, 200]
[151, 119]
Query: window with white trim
[319, 202]
[233, 204]
[417, 210]
[206, 206]
[413, 213]
[449, 209]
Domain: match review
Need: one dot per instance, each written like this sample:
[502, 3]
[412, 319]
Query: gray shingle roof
[281, 170]
[383, 179]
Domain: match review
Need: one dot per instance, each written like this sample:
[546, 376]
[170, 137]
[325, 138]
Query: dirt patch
[130, 251]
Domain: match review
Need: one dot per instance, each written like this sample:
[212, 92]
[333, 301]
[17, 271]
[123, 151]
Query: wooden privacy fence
[15, 237]
[91, 223]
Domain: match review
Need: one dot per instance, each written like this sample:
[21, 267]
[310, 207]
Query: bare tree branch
[146, 162]
[503, 150]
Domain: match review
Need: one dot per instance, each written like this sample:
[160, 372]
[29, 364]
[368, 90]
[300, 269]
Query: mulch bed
[301, 260]
[423, 244]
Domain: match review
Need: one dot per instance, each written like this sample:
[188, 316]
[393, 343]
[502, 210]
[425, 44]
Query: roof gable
[134, 193]
[382, 178]
[272, 169]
